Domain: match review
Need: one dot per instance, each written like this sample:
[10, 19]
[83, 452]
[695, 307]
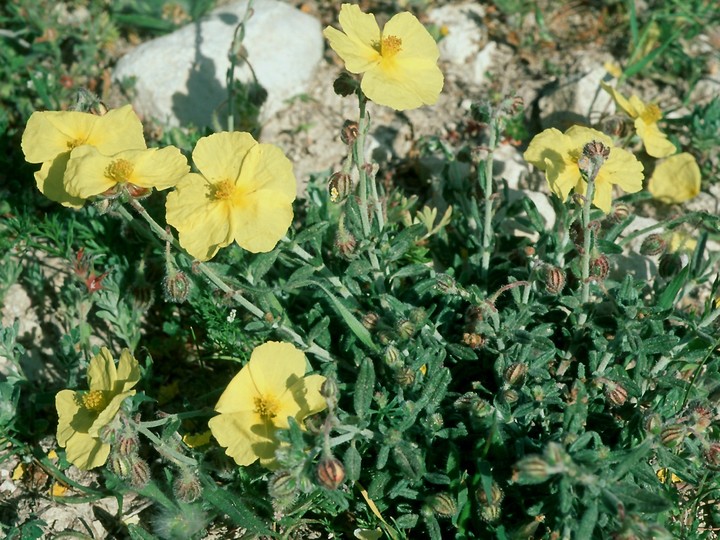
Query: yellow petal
[602, 197]
[549, 146]
[408, 85]
[18, 472]
[259, 226]
[50, 182]
[244, 440]
[67, 405]
[275, 366]
[58, 490]
[358, 56]
[417, 43]
[196, 440]
[102, 372]
[623, 169]
[108, 413]
[220, 156]
[86, 452]
[85, 172]
[581, 135]
[676, 179]
[128, 372]
[620, 100]
[655, 141]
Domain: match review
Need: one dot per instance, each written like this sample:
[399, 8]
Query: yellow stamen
[94, 400]
[266, 407]
[224, 190]
[74, 143]
[119, 170]
[391, 45]
[651, 114]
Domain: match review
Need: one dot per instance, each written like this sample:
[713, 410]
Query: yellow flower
[90, 172]
[682, 242]
[675, 179]
[244, 193]
[50, 136]
[399, 63]
[557, 154]
[259, 400]
[646, 117]
[83, 414]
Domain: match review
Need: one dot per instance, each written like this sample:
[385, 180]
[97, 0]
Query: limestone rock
[180, 77]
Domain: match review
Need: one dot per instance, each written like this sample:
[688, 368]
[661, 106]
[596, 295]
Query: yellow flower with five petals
[90, 172]
[646, 117]
[259, 400]
[399, 63]
[82, 415]
[243, 193]
[50, 136]
[557, 154]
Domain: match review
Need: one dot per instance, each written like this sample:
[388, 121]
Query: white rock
[509, 165]
[465, 33]
[577, 101]
[180, 78]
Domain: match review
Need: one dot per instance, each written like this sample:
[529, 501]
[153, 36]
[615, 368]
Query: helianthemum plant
[557, 154]
[50, 137]
[398, 63]
[243, 193]
[259, 400]
[82, 415]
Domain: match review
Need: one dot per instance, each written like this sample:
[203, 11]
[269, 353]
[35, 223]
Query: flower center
[119, 170]
[266, 406]
[391, 45]
[651, 114]
[94, 400]
[224, 190]
[74, 143]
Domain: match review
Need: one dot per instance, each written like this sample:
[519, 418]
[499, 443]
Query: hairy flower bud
[599, 268]
[329, 389]
[370, 320]
[491, 513]
[515, 373]
[532, 470]
[653, 244]
[554, 279]
[672, 435]
[619, 213]
[139, 473]
[120, 465]
[345, 242]
[340, 185]
[405, 329]
[496, 494]
[616, 394]
[330, 473]
[349, 133]
[442, 505]
[187, 486]
[474, 341]
[393, 357]
[282, 485]
[510, 396]
[405, 377]
[176, 286]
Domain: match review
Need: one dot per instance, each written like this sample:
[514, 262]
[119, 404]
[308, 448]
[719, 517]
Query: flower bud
[345, 85]
[599, 268]
[187, 486]
[329, 389]
[417, 315]
[510, 396]
[474, 341]
[349, 133]
[436, 422]
[139, 473]
[491, 514]
[120, 465]
[712, 455]
[653, 424]
[330, 473]
[615, 394]
[446, 284]
[672, 435]
[442, 505]
[393, 357]
[282, 485]
[532, 470]
[345, 242]
[405, 377]
[619, 213]
[370, 320]
[554, 279]
[340, 185]
[480, 408]
[176, 286]
[653, 244]
[496, 494]
[515, 373]
[405, 329]
[127, 444]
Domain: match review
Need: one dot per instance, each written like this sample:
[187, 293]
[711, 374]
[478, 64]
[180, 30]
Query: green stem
[216, 280]
[324, 270]
[487, 236]
[587, 247]
[238, 37]
[165, 448]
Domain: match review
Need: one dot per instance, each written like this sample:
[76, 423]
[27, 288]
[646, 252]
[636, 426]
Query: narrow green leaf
[238, 513]
[138, 533]
[353, 462]
[667, 298]
[364, 388]
[588, 521]
[356, 326]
